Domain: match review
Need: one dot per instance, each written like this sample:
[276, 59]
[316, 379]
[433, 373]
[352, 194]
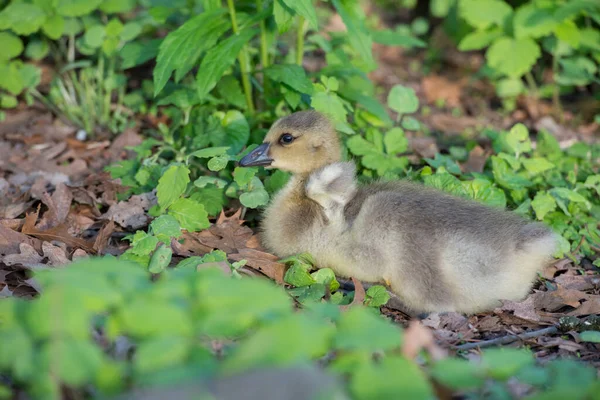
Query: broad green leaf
[235, 132]
[390, 377]
[210, 152]
[484, 13]
[509, 87]
[411, 124]
[445, 182]
[54, 27]
[117, 6]
[533, 21]
[576, 71]
[368, 102]
[568, 32]
[74, 362]
[403, 100]
[297, 275]
[37, 49]
[502, 363]
[257, 196]
[211, 198]
[172, 185]
[94, 36]
[156, 353]
[484, 191]
[360, 329]
[590, 336]
[190, 214]
[184, 98]
[230, 90]
[395, 141]
[442, 161]
[11, 46]
[146, 317]
[243, 176]
[137, 53]
[394, 38]
[542, 204]
[458, 374]
[377, 296]
[143, 244]
[479, 39]
[513, 57]
[284, 16]
[130, 31]
[360, 146]
[326, 276]
[593, 182]
[330, 105]
[590, 38]
[22, 18]
[292, 75]
[10, 78]
[505, 177]
[76, 8]
[160, 259]
[537, 165]
[7, 101]
[218, 59]
[517, 139]
[165, 227]
[304, 8]
[574, 7]
[181, 49]
[571, 195]
[358, 35]
[218, 163]
[276, 181]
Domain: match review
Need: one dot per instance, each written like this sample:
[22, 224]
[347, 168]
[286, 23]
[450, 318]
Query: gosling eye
[286, 138]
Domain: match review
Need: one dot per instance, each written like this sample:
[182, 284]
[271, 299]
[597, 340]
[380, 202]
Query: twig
[507, 339]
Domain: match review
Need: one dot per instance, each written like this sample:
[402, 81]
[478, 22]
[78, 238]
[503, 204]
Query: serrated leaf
[181, 49]
[212, 198]
[190, 214]
[11, 46]
[22, 18]
[517, 139]
[165, 227]
[235, 132]
[403, 100]
[395, 141]
[304, 8]
[297, 275]
[484, 13]
[377, 296]
[513, 57]
[330, 105]
[76, 8]
[479, 39]
[143, 244]
[284, 16]
[360, 146]
[172, 185]
[484, 191]
[292, 75]
[542, 204]
[218, 59]
[358, 35]
[160, 259]
[533, 21]
[537, 165]
[230, 90]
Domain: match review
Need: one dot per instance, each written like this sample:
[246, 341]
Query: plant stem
[243, 60]
[556, 88]
[264, 53]
[300, 41]
[531, 83]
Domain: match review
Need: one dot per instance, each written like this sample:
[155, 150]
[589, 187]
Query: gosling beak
[258, 156]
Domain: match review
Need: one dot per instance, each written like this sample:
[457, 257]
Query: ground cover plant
[130, 260]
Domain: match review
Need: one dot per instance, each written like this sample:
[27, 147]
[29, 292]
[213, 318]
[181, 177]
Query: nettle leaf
[172, 185]
[537, 165]
[218, 59]
[160, 259]
[230, 90]
[11, 46]
[358, 35]
[235, 131]
[304, 8]
[484, 191]
[518, 139]
[143, 243]
[359, 146]
[292, 75]
[513, 57]
[484, 13]
[284, 16]
[181, 49]
[377, 296]
[22, 18]
[76, 8]
[532, 21]
[395, 141]
[257, 196]
[542, 204]
[403, 100]
[165, 227]
[329, 104]
[479, 39]
[190, 214]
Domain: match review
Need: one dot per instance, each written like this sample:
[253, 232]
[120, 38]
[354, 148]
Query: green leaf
[395, 141]
[11, 46]
[117, 6]
[218, 59]
[330, 105]
[377, 296]
[130, 31]
[172, 184]
[571, 195]
[22, 18]
[181, 48]
[211, 198]
[542, 204]
[537, 165]
[304, 8]
[360, 329]
[10, 78]
[403, 100]
[74, 362]
[160, 259]
[292, 75]
[7, 101]
[513, 57]
[411, 124]
[297, 275]
[484, 191]
[218, 163]
[210, 152]
[94, 36]
[532, 21]
[143, 244]
[484, 13]
[137, 53]
[593, 182]
[326, 276]
[360, 146]
[54, 26]
[394, 38]
[230, 90]
[502, 363]
[479, 39]
[235, 132]
[243, 176]
[76, 8]
[37, 49]
[458, 374]
[158, 353]
[145, 317]
[358, 35]
[284, 16]
[257, 196]
[388, 378]
[509, 87]
[165, 227]
[518, 139]
[590, 336]
[190, 214]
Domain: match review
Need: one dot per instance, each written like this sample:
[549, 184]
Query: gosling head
[299, 143]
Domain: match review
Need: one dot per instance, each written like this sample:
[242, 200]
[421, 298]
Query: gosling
[437, 252]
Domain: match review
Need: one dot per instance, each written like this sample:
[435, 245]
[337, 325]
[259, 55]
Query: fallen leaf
[188, 245]
[130, 213]
[59, 205]
[440, 88]
[10, 241]
[228, 234]
[556, 299]
[416, 338]
[28, 257]
[264, 262]
[576, 282]
[589, 307]
[424, 146]
[524, 309]
[59, 233]
[79, 254]
[103, 237]
[359, 295]
[476, 160]
[13, 209]
[56, 256]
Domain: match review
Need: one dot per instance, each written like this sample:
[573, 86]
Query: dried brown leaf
[440, 88]
[10, 241]
[263, 262]
[524, 309]
[476, 160]
[359, 295]
[28, 257]
[56, 256]
[103, 237]
[59, 233]
[557, 299]
[416, 338]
